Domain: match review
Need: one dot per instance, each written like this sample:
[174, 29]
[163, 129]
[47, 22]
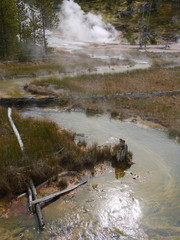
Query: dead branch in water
[49, 198]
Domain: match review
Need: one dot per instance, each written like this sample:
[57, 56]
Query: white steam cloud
[77, 26]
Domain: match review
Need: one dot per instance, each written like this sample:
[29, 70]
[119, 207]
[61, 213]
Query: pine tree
[22, 20]
[47, 17]
[8, 28]
[35, 26]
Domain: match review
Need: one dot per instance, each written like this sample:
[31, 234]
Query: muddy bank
[61, 181]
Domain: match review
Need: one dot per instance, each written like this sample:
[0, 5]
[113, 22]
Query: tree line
[23, 26]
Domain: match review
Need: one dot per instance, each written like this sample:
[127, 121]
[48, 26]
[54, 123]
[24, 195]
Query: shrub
[62, 184]
[153, 40]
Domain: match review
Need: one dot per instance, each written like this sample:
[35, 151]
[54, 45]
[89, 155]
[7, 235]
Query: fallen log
[15, 130]
[30, 198]
[49, 198]
[37, 205]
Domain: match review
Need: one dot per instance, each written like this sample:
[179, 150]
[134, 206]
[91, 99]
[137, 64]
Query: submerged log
[49, 198]
[37, 205]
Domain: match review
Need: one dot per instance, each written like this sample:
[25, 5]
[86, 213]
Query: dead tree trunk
[142, 27]
[148, 20]
[122, 152]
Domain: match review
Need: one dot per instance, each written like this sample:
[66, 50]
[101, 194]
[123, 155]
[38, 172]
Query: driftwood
[49, 198]
[37, 206]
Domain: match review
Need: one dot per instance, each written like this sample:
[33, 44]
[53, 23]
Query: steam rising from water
[77, 26]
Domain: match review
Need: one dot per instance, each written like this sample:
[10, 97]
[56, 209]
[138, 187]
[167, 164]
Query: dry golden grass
[164, 110]
[36, 68]
[149, 80]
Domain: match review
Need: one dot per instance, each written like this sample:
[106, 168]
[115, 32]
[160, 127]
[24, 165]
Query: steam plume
[76, 25]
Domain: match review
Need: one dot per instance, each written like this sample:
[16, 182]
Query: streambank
[61, 181]
[150, 109]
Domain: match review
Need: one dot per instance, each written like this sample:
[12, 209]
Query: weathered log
[49, 198]
[122, 151]
[30, 198]
[15, 130]
[37, 205]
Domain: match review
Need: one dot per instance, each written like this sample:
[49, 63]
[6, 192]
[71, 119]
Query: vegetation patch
[29, 69]
[48, 150]
[164, 110]
[148, 80]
